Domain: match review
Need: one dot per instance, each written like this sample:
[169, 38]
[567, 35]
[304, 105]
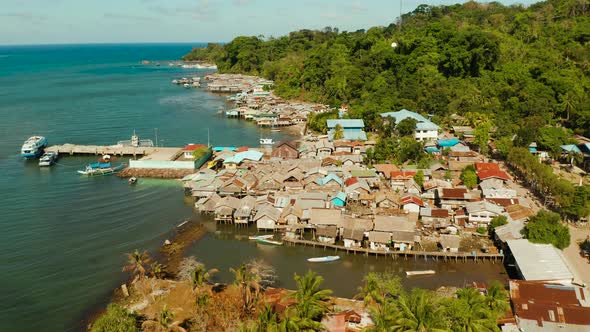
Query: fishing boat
[132, 180]
[271, 242]
[48, 159]
[323, 259]
[256, 237]
[98, 169]
[33, 147]
[420, 273]
[266, 141]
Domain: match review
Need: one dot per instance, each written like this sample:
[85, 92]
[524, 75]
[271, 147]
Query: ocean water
[63, 237]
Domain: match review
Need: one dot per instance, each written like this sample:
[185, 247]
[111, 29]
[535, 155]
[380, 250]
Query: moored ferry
[33, 147]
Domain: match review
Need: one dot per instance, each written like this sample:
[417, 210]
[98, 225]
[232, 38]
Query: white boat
[48, 159]
[323, 259]
[271, 242]
[186, 85]
[33, 147]
[132, 180]
[266, 141]
[256, 237]
[98, 169]
[420, 273]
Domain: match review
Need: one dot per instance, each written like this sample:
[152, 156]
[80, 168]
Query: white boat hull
[324, 259]
[420, 273]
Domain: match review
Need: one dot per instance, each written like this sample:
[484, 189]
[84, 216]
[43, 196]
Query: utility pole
[156, 133]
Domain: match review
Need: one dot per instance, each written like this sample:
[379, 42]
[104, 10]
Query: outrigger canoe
[256, 237]
[271, 242]
[323, 259]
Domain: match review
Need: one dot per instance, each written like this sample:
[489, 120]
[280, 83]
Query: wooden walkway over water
[435, 255]
[114, 150]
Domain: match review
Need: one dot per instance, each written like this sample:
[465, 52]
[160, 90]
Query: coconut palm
[384, 317]
[418, 312]
[497, 298]
[312, 300]
[195, 272]
[469, 312]
[338, 132]
[377, 287]
[157, 270]
[249, 284]
[137, 262]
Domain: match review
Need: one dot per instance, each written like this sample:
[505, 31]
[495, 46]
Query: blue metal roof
[221, 148]
[423, 123]
[339, 199]
[432, 149]
[350, 135]
[330, 177]
[346, 123]
[571, 148]
[240, 156]
[448, 142]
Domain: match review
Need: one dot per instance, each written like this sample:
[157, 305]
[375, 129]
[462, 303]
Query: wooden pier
[114, 150]
[435, 255]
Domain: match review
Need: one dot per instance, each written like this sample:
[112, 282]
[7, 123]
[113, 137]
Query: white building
[481, 213]
[425, 130]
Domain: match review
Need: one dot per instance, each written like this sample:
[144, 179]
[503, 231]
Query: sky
[120, 21]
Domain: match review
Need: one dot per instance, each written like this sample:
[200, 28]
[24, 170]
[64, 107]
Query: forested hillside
[520, 67]
[515, 74]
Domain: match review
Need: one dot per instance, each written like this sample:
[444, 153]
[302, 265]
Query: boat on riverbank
[33, 147]
[267, 141]
[324, 259]
[420, 273]
[257, 237]
[99, 169]
[269, 242]
[49, 158]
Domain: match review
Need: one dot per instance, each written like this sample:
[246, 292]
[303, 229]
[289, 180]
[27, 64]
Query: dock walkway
[436, 255]
[115, 150]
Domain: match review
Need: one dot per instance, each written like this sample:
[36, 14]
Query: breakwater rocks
[155, 173]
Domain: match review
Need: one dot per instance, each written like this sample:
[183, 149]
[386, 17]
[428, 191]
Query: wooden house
[327, 234]
[243, 214]
[267, 218]
[353, 238]
[450, 243]
[379, 240]
[285, 150]
[435, 218]
[224, 209]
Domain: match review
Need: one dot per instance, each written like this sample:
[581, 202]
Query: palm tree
[384, 317]
[418, 312]
[312, 300]
[377, 287]
[200, 275]
[157, 270]
[497, 298]
[249, 286]
[166, 317]
[137, 262]
[195, 272]
[338, 132]
[471, 312]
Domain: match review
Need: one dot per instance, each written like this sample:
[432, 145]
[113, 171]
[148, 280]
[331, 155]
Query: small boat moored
[98, 169]
[271, 242]
[256, 237]
[33, 147]
[132, 180]
[420, 273]
[267, 141]
[323, 259]
[48, 159]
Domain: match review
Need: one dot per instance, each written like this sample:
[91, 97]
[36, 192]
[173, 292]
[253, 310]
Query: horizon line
[110, 43]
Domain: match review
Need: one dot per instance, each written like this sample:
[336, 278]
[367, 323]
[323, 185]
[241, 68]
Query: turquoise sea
[63, 237]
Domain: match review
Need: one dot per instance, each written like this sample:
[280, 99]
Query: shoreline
[168, 255]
